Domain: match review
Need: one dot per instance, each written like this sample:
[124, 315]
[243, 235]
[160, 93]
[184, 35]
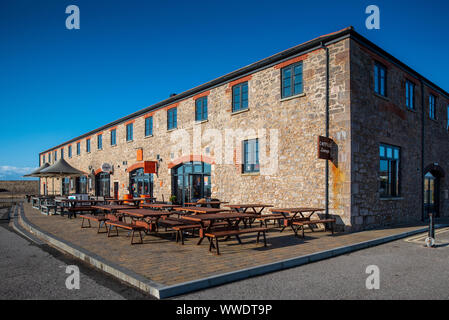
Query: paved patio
[162, 260]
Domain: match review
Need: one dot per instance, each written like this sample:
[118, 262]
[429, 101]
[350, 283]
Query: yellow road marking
[422, 237]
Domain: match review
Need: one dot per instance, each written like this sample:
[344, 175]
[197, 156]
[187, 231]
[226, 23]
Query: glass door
[191, 182]
[196, 187]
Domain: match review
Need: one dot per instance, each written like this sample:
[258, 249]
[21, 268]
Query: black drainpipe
[327, 130]
[423, 115]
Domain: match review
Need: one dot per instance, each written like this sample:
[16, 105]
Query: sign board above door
[106, 167]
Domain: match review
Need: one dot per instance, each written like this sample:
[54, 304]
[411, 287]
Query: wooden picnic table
[145, 215]
[160, 206]
[200, 210]
[205, 204]
[244, 207]
[136, 201]
[291, 214]
[75, 202]
[257, 209]
[233, 220]
[113, 208]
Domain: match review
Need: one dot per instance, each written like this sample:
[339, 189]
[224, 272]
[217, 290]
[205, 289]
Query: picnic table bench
[216, 234]
[133, 227]
[47, 206]
[101, 219]
[269, 217]
[299, 225]
[296, 219]
[211, 226]
[256, 210]
[147, 218]
[161, 206]
[72, 211]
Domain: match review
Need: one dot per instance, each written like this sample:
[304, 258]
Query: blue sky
[56, 84]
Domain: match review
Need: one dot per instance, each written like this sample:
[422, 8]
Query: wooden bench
[221, 233]
[302, 224]
[172, 222]
[268, 217]
[46, 208]
[74, 210]
[127, 226]
[101, 219]
[181, 228]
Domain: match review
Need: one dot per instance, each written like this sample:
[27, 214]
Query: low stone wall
[19, 187]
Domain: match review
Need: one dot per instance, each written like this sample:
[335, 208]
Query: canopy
[36, 173]
[60, 169]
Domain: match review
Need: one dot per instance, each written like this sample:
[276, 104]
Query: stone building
[252, 136]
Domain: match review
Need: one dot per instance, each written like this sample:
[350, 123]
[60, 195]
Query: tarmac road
[407, 270]
[30, 271]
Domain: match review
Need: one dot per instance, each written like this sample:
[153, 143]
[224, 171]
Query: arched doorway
[432, 179]
[140, 183]
[102, 184]
[191, 181]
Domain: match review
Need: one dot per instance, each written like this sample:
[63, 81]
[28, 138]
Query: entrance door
[191, 181]
[196, 187]
[431, 194]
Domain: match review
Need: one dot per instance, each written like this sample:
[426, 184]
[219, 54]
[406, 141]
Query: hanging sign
[324, 148]
[106, 167]
[150, 166]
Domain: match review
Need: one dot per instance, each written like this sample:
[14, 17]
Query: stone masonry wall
[299, 179]
[375, 120]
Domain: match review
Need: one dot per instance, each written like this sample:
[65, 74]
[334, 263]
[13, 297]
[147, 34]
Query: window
[201, 109]
[292, 80]
[78, 148]
[148, 126]
[251, 156]
[410, 95]
[81, 185]
[62, 153]
[70, 151]
[113, 137]
[56, 155]
[102, 184]
[389, 171]
[87, 145]
[49, 157]
[432, 99]
[172, 121]
[240, 97]
[100, 142]
[447, 125]
[43, 158]
[129, 132]
[380, 76]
